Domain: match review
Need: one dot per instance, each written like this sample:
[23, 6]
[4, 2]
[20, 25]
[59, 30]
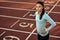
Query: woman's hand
[43, 31]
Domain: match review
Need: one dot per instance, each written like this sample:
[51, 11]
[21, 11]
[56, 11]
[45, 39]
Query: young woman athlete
[42, 18]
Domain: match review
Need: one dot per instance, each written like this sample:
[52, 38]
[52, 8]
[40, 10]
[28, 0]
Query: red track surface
[17, 19]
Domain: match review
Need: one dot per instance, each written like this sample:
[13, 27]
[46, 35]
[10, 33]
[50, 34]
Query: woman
[41, 19]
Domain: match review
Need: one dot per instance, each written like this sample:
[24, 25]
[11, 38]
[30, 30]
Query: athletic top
[41, 24]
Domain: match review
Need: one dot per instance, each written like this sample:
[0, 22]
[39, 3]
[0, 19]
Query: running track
[17, 20]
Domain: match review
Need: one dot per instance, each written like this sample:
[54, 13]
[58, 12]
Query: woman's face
[39, 7]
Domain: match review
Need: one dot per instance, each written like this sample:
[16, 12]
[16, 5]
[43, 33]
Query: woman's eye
[39, 6]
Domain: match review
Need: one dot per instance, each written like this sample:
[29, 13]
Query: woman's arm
[53, 24]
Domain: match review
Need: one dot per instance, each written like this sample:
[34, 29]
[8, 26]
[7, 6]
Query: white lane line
[20, 18]
[16, 17]
[57, 5]
[24, 32]
[28, 12]
[14, 23]
[58, 22]
[25, 3]
[19, 2]
[25, 10]
[55, 12]
[2, 33]
[15, 30]
[31, 34]
[55, 36]
[53, 6]
[17, 8]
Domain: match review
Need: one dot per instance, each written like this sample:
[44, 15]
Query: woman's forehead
[38, 5]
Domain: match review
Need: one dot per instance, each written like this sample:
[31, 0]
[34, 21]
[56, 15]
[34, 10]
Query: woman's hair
[43, 10]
